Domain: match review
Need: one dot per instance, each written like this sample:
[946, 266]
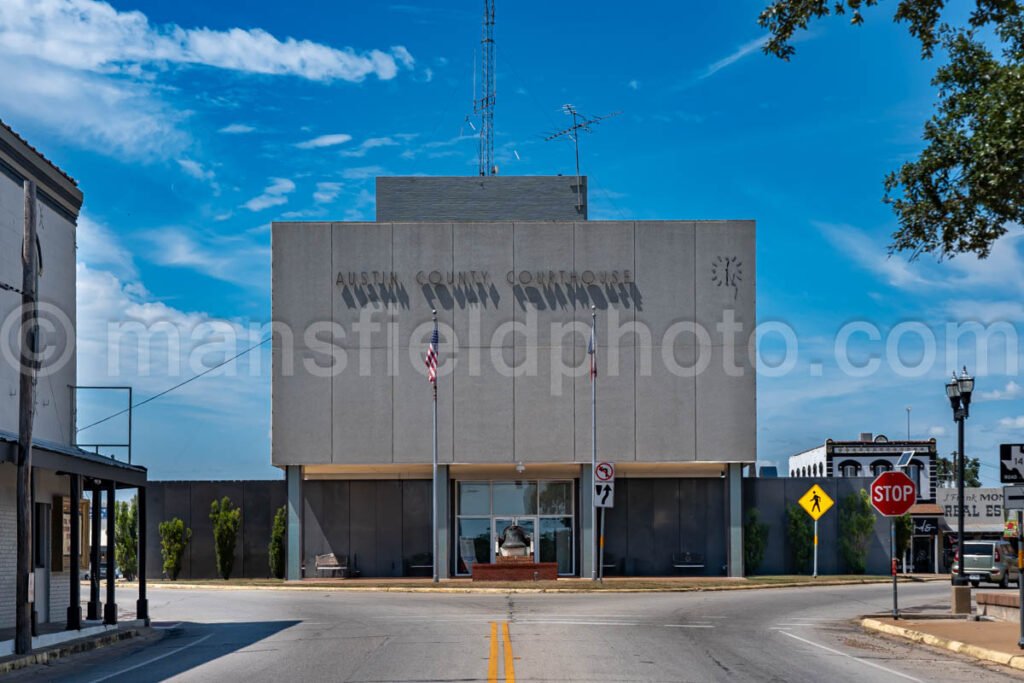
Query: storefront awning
[70, 460]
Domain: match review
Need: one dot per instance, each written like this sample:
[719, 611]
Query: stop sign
[893, 493]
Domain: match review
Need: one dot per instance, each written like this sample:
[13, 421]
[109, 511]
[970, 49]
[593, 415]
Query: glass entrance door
[499, 524]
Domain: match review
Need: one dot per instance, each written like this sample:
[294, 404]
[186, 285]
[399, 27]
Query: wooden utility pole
[29, 339]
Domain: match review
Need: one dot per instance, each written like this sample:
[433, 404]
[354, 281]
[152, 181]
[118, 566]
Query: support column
[110, 608]
[75, 562]
[93, 612]
[142, 604]
[293, 477]
[587, 567]
[443, 518]
[734, 494]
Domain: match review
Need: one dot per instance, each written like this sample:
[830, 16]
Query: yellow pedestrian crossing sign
[816, 502]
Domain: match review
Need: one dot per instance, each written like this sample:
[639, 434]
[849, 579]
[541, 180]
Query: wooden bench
[687, 560]
[333, 565]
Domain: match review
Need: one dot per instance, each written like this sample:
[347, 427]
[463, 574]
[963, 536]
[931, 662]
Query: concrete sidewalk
[990, 641]
[562, 585]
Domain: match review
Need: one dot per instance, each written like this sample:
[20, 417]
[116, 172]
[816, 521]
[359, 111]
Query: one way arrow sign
[1013, 497]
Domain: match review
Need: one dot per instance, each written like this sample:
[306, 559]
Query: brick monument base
[516, 569]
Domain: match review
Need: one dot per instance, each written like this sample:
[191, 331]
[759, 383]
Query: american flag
[431, 360]
[592, 352]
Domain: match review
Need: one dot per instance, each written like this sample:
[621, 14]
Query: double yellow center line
[492, 660]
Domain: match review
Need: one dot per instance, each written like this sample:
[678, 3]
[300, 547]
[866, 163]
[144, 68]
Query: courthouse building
[514, 271]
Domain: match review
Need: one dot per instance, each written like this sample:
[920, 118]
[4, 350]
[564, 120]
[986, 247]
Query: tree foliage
[904, 532]
[226, 519]
[174, 536]
[800, 533]
[856, 523]
[755, 541]
[276, 550]
[967, 185]
[945, 472]
[126, 537]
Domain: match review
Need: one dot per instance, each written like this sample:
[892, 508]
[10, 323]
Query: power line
[176, 386]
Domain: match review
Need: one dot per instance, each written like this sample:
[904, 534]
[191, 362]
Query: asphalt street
[796, 635]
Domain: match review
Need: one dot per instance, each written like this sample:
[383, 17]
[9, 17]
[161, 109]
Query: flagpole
[593, 440]
[434, 515]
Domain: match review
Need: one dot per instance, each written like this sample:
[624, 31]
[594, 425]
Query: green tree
[966, 187]
[276, 550]
[800, 533]
[174, 536]
[126, 537]
[945, 472]
[226, 519]
[755, 541]
[904, 532]
[856, 523]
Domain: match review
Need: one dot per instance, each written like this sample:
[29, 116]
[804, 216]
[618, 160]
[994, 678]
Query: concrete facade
[516, 279]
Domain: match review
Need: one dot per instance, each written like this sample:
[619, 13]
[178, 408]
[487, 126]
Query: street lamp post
[959, 390]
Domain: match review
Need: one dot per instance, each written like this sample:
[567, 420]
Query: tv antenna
[485, 105]
[579, 123]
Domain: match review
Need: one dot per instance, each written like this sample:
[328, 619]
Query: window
[515, 498]
[849, 468]
[879, 466]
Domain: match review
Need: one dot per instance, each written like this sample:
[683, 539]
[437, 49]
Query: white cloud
[93, 36]
[937, 431]
[236, 129]
[326, 192]
[1012, 422]
[115, 116]
[363, 172]
[195, 169]
[634, 84]
[228, 259]
[90, 73]
[98, 247]
[275, 194]
[1011, 391]
[368, 144]
[736, 56]
[870, 253]
[325, 141]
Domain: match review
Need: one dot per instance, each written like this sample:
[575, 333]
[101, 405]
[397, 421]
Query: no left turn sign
[605, 471]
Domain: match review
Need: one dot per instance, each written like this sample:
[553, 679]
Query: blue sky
[191, 125]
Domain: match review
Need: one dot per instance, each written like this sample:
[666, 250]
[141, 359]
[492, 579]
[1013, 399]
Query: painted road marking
[167, 628]
[492, 660]
[507, 658]
[688, 626]
[856, 659]
[510, 667]
[150, 661]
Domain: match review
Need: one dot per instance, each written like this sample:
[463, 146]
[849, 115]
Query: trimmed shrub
[126, 537]
[226, 519]
[174, 536]
[276, 550]
[800, 533]
[755, 541]
[856, 523]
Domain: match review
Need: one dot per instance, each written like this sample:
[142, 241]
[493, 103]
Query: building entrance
[545, 509]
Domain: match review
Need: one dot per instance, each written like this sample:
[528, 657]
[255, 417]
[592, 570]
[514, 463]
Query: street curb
[301, 586]
[994, 656]
[72, 647]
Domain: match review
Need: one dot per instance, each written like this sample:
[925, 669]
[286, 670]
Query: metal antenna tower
[485, 105]
[579, 122]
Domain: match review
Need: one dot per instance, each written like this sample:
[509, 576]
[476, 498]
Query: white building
[60, 471]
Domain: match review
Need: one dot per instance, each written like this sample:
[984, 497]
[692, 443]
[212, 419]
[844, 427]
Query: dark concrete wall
[656, 518]
[772, 497]
[475, 198]
[190, 501]
[381, 524]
